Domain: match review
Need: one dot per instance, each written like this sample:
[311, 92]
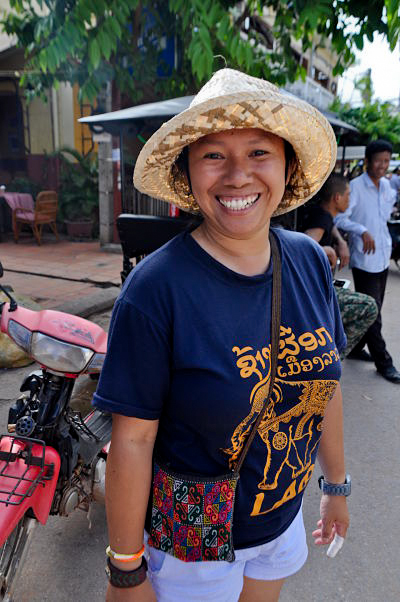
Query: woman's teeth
[238, 203]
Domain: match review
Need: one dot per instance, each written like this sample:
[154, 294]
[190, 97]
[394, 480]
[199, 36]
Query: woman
[189, 347]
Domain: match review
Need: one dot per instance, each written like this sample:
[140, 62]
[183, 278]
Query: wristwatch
[119, 578]
[335, 488]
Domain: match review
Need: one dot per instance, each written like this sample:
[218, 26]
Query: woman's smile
[238, 203]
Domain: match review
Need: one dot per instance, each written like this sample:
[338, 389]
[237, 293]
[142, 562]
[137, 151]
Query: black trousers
[374, 284]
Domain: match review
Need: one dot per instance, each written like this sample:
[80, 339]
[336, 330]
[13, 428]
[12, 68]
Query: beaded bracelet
[124, 557]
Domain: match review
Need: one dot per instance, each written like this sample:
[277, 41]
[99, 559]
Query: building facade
[31, 131]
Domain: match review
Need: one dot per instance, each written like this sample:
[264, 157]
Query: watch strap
[123, 579]
[335, 488]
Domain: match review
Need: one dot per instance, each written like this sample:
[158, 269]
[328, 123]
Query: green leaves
[91, 42]
[94, 53]
[373, 119]
[200, 52]
[315, 12]
[115, 27]
[393, 20]
[105, 44]
[78, 184]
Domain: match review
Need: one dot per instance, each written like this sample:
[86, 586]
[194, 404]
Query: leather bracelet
[124, 579]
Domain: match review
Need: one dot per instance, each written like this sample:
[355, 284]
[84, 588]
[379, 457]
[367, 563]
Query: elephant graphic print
[291, 428]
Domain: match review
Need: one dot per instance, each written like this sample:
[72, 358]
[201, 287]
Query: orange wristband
[124, 557]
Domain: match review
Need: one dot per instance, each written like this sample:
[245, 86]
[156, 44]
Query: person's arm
[332, 257]
[342, 248]
[317, 234]
[333, 508]
[128, 483]
[344, 222]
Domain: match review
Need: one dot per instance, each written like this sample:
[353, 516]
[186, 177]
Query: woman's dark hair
[181, 169]
[377, 146]
[290, 156]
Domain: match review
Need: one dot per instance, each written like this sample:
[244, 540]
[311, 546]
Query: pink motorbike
[52, 460]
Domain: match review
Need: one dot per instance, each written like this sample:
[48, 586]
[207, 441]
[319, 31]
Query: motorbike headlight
[20, 335]
[96, 363]
[59, 356]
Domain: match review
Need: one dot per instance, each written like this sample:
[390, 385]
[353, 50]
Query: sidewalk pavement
[75, 277]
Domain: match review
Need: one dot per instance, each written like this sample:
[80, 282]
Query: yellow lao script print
[291, 427]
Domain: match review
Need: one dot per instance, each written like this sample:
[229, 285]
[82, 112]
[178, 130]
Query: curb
[86, 306]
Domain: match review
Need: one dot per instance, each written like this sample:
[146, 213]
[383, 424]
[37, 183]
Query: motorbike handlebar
[13, 303]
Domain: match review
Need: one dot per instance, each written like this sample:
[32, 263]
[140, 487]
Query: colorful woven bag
[191, 516]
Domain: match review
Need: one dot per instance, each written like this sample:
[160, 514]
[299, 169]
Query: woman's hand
[141, 593]
[334, 519]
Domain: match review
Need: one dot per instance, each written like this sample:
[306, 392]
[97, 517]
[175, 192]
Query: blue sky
[385, 67]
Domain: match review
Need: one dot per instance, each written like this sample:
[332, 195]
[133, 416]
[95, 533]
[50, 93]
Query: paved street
[66, 559]
[368, 567]
[68, 276]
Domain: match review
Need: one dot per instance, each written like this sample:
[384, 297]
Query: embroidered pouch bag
[192, 516]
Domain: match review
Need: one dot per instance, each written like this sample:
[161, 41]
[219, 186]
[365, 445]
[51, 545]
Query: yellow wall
[40, 125]
[51, 123]
[65, 115]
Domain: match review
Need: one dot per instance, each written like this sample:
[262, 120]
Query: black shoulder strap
[275, 331]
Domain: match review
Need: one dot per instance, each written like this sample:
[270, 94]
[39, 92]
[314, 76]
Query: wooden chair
[45, 212]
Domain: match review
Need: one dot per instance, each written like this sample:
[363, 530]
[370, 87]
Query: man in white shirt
[357, 311]
[371, 203]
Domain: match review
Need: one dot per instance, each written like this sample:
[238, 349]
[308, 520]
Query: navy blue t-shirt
[189, 344]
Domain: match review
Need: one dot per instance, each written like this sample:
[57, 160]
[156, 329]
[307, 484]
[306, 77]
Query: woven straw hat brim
[299, 123]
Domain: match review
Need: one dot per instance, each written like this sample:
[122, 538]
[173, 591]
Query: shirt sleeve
[393, 195]
[317, 219]
[344, 221]
[135, 377]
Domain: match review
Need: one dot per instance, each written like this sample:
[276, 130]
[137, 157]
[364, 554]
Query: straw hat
[229, 100]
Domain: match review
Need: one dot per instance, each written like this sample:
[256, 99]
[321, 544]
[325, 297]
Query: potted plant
[78, 193]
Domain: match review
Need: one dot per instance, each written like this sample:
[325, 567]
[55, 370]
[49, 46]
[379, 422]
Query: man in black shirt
[358, 311]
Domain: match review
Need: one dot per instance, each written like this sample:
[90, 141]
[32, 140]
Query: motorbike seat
[143, 234]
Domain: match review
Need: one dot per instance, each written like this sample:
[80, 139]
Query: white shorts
[175, 581]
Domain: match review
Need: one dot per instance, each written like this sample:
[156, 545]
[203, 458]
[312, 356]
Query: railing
[311, 92]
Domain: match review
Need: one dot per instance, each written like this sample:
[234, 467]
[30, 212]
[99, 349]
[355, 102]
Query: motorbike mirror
[13, 303]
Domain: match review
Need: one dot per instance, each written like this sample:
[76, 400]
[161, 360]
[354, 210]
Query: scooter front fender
[28, 478]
